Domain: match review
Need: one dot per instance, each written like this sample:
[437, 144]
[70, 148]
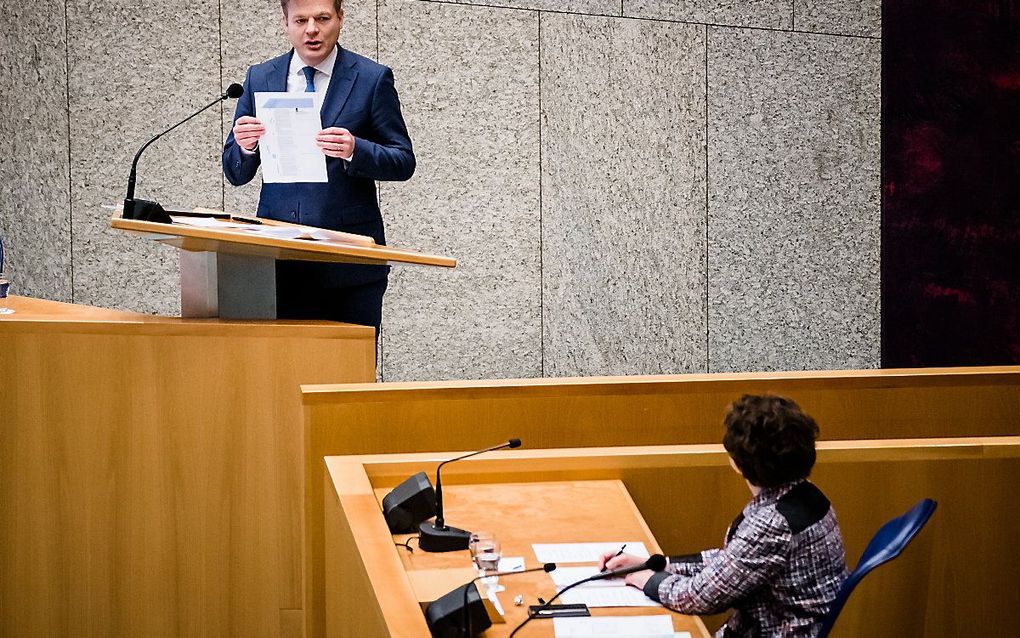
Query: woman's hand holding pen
[616, 560]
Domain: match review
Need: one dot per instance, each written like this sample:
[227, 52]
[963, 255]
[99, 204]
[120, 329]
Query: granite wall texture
[35, 188]
[631, 186]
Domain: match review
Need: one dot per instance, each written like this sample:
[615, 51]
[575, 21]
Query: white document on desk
[630, 626]
[511, 564]
[564, 576]
[211, 222]
[307, 232]
[584, 552]
[287, 150]
[620, 596]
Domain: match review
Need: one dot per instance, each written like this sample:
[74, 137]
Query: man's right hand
[247, 132]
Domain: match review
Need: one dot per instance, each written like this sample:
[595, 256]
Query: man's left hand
[638, 579]
[336, 142]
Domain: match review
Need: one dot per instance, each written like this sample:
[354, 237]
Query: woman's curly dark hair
[771, 440]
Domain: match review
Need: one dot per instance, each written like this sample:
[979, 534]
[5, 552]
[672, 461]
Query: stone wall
[631, 186]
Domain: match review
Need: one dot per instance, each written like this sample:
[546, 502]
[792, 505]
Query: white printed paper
[624, 596]
[289, 232]
[564, 576]
[511, 564]
[630, 626]
[308, 232]
[211, 222]
[584, 552]
[288, 151]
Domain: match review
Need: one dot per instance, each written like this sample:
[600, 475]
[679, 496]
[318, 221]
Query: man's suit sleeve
[391, 158]
[238, 166]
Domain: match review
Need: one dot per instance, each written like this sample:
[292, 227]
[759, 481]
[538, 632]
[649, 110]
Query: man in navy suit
[363, 138]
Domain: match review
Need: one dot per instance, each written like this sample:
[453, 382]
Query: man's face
[313, 27]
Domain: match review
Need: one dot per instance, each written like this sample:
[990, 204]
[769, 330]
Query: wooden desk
[964, 559]
[520, 514]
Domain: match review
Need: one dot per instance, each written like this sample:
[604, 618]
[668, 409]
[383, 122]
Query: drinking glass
[486, 552]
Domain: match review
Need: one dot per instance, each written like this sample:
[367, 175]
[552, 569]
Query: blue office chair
[886, 545]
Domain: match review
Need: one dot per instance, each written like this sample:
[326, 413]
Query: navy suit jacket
[363, 99]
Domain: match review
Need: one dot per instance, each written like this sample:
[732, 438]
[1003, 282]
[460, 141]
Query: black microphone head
[515, 443]
[549, 567]
[656, 563]
[234, 91]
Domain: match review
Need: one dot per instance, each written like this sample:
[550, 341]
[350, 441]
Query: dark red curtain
[951, 183]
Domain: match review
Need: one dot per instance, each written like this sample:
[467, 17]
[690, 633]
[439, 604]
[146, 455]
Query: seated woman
[783, 560]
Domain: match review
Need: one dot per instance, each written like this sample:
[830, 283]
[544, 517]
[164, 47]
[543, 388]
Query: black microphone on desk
[151, 211]
[458, 612]
[655, 562]
[437, 536]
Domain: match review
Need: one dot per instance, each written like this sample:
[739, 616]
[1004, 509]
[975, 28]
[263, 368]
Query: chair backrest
[885, 545]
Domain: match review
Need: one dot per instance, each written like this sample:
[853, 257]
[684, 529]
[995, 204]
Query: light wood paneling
[151, 472]
[649, 410]
[956, 579]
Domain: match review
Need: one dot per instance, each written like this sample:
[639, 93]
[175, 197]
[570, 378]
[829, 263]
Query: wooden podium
[151, 469]
[228, 267]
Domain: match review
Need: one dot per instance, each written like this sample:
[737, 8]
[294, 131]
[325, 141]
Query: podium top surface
[45, 316]
[248, 243]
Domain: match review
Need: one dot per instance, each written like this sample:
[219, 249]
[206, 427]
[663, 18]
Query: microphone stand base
[146, 211]
[444, 539]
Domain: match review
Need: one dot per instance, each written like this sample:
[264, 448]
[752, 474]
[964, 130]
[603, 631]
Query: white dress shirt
[296, 82]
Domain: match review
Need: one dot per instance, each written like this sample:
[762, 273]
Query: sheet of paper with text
[288, 149]
[616, 626]
[584, 552]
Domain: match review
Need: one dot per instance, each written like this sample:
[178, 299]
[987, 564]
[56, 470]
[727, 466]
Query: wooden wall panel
[956, 579]
[611, 411]
[151, 473]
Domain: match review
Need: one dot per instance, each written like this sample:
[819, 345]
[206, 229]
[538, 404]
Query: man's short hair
[771, 440]
[338, 6]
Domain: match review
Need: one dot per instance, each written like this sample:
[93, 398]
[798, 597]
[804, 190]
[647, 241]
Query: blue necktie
[310, 78]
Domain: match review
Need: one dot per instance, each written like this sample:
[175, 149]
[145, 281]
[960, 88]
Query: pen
[246, 220]
[615, 555]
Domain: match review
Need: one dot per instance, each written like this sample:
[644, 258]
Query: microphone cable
[655, 562]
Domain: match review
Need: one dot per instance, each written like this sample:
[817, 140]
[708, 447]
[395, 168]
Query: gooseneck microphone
[151, 211]
[437, 536]
[655, 562]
